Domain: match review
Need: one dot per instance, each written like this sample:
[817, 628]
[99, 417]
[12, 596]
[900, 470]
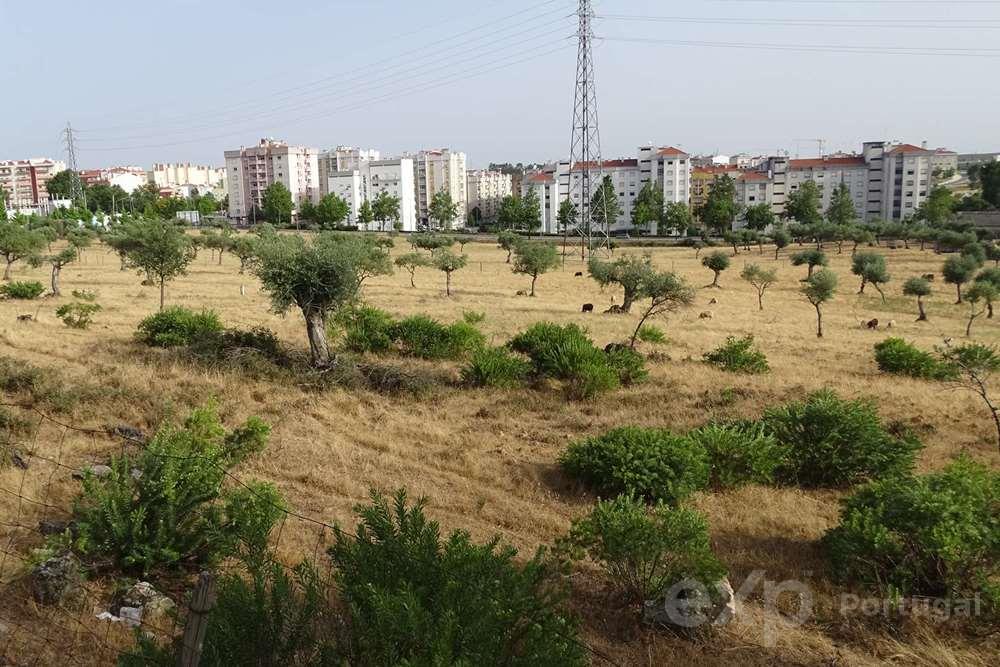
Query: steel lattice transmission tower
[585, 147]
[70, 141]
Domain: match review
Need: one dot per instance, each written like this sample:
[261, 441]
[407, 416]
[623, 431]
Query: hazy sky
[184, 80]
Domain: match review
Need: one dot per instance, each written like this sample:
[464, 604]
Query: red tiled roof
[945, 151]
[541, 178]
[716, 169]
[908, 148]
[752, 176]
[820, 163]
[606, 164]
[670, 150]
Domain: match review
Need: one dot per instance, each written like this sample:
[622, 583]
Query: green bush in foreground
[416, 598]
[77, 315]
[650, 333]
[426, 338]
[738, 355]
[176, 513]
[645, 550]
[28, 289]
[366, 329]
[935, 535]
[739, 453]
[650, 462]
[895, 355]
[495, 367]
[833, 442]
[178, 326]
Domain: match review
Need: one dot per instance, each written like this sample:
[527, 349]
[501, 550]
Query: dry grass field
[485, 459]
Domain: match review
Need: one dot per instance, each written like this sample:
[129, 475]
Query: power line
[361, 72]
[325, 113]
[416, 70]
[822, 48]
[916, 24]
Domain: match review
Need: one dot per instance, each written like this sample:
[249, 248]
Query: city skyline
[495, 80]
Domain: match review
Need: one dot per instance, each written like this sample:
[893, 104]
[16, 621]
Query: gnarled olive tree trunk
[319, 348]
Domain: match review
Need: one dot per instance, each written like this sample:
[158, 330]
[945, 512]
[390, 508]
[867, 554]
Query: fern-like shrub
[832, 442]
[495, 367]
[415, 597]
[426, 338]
[738, 355]
[895, 355]
[177, 326]
[936, 535]
[77, 315]
[166, 506]
[644, 551]
[28, 289]
[740, 453]
[650, 462]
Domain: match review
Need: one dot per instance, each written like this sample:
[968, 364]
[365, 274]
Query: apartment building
[24, 181]
[128, 179]
[437, 170]
[368, 178]
[186, 176]
[249, 172]
[343, 158]
[485, 190]
[668, 167]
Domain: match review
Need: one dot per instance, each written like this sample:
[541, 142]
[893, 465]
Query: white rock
[131, 616]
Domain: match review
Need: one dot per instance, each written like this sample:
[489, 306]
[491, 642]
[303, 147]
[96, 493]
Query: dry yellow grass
[486, 459]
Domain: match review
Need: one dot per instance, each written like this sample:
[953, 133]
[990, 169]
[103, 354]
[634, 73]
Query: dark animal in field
[587, 308]
[705, 315]
[713, 301]
[890, 324]
[614, 347]
[25, 318]
[929, 277]
[521, 292]
[872, 324]
[615, 309]
[578, 274]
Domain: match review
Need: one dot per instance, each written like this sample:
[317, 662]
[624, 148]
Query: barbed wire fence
[79, 628]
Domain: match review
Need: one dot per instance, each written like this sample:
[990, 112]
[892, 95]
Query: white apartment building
[24, 181]
[343, 158]
[368, 178]
[437, 170]
[669, 167]
[485, 191]
[249, 172]
[171, 176]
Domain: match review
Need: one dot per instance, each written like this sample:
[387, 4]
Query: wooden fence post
[197, 621]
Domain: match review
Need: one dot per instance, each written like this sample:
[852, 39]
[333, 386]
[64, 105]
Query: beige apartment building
[24, 181]
[485, 190]
[249, 172]
[174, 176]
[437, 170]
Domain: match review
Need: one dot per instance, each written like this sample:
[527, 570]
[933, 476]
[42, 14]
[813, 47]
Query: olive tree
[666, 293]
[411, 261]
[508, 240]
[819, 288]
[317, 277]
[781, 240]
[161, 250]
[628, 271]
[534, 259]
[974, 366]
[991, 276]
[760, 278]
[957, 271]
[871, 268]
[245, 248]
[810, 258]
[718, 262]
[918, 287]
[447, 261]
[979, 292]
[18, 242]
[58, 261]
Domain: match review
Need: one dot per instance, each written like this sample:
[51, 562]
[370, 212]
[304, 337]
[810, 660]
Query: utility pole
[585, 145]
[76, 186]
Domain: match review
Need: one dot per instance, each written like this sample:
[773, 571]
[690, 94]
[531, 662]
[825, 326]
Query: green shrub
[473, 317]
[270, 616]
[895, 355]
[936, 535]
[738, 355]
[495, 367]
[834, 442]
[650, 462]
[77, 315]
[416, 598]
[37, 385]
[426, 338]
[175, 512]
[739, 453]
[566, 353]
[85, 295]
[28, 289]
[627, 363]
[645, 551]
[178, 326]
[250, 350]
[649, 333]
[366, 329]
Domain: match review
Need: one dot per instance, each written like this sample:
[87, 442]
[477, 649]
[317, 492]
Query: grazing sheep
[25, 318]
[578, 274]
[615, 309]
[521, 292]
[587, 308]
[929, 277]
[705, 315]
[614, 347]
[891, 324]
[872, 324]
